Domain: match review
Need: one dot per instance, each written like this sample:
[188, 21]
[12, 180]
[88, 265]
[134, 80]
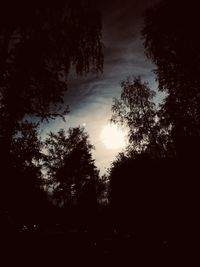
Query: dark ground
[80, 247]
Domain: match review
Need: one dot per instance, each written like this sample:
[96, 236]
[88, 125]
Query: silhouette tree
[136, 110]
[39, 42]
[172, 42]
[126, 193]
[70, 167]
[147, 196]
[173, 45]
[25, 199]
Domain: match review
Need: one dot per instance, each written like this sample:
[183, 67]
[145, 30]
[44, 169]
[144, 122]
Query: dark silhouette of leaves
[137, 111]
[71, 168]
[173, 45]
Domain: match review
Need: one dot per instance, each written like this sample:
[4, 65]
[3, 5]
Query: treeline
[50, 177]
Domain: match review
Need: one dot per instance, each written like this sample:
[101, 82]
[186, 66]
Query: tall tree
[137, 111]
[39, 42]
[25, 196]
[70, 167]
[172, 42]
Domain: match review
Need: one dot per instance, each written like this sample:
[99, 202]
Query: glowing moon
[113, 137]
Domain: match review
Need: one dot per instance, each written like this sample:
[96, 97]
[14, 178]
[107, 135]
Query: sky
[90, 98]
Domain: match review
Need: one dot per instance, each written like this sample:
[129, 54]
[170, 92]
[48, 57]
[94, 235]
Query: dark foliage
[23, 198]
[136, 110]
[171, 39]
[39, 42]
[70, 167]
[155, 199]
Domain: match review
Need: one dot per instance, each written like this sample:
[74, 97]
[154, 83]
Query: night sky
[90, 98]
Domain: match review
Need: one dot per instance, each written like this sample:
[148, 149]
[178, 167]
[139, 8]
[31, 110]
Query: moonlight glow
[113, 137]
